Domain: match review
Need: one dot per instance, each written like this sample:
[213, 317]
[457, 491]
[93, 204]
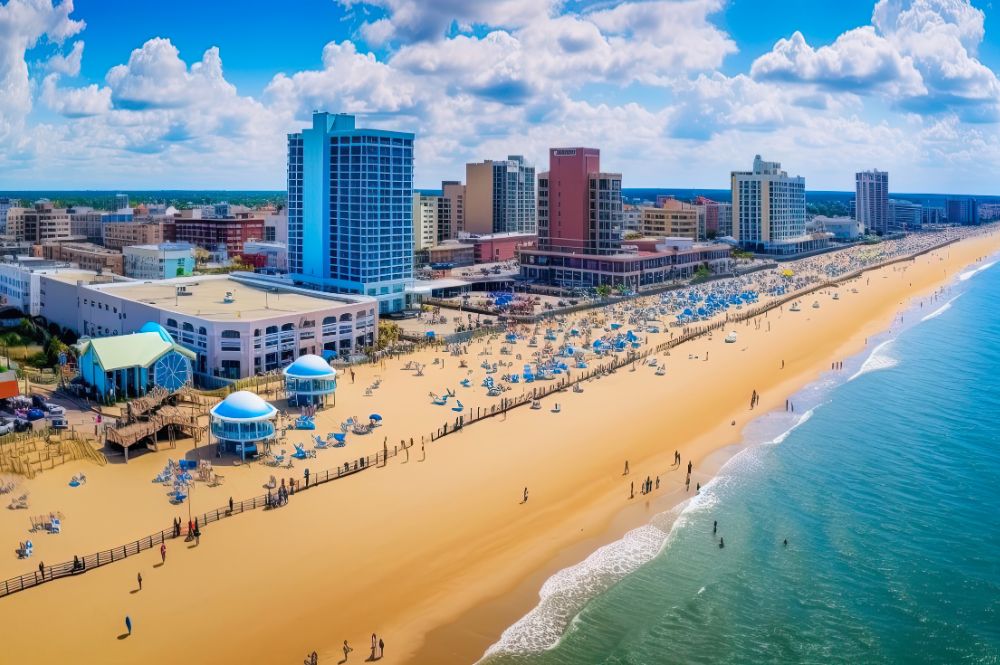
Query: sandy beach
[436, 552]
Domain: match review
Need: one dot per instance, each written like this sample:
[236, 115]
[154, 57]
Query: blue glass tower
[350, 219]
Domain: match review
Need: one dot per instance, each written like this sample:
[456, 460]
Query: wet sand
[436, 556]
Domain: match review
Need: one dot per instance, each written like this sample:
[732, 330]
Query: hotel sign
[564, 152]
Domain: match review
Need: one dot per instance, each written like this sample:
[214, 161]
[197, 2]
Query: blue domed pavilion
[242, 421]
[309, 380]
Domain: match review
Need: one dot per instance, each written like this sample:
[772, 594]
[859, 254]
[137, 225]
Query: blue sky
[676, 93]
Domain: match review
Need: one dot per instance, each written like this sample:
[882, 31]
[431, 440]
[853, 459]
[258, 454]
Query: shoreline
[510, 606]
[416, 549]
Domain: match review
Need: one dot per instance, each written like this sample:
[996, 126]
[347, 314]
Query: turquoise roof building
[124, 366]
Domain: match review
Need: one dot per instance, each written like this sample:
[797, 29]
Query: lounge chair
[19, 502]
[55, 526]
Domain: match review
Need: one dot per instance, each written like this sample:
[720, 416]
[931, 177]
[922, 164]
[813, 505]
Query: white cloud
[23, 23]
[423, 20]
[69, 63]
[859, 60]
[920, 54]
[75, 102]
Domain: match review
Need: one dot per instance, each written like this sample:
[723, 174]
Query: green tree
[602, 291]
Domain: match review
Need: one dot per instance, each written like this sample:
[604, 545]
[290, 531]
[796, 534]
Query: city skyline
[907, 86]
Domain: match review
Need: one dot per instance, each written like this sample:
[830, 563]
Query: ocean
[886, 485]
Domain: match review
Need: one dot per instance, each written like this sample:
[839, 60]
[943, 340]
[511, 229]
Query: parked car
[7, 427]
[35, 414]
[54, 409]
[20, 424]
[58, 422]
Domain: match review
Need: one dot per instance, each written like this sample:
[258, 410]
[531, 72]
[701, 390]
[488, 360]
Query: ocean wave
[969, 274]
[803, 419]
[940, 310]
[567, 592]
[878, 360]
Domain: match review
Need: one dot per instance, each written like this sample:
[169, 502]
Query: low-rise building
[162, 261]
[671, 218]
[641, 262]
[497, 247]
[842, 228]
[119, 235]
[238, 325]
[38, 224]
[272, 256]
[453, 252]
[215, 233]
[86, 255]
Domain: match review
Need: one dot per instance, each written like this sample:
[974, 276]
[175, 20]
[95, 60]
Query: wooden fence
[91, 561]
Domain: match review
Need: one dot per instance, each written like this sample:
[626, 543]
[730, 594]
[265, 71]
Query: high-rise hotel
[871, 202]
[350, 202]
[769, 211]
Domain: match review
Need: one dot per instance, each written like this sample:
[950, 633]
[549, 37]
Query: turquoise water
[888, 492]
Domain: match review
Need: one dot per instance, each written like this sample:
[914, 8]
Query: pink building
[498, 247]
[577, 203]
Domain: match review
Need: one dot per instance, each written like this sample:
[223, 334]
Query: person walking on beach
[631, 493]
[657, 482]
[128, 624]
[139, 578]
[525, 500]
[690, 466]
[347, 649]
[230, 505]
[626, 468]
[163, 553]
[41, 569]
[381, 648]
[374, 646]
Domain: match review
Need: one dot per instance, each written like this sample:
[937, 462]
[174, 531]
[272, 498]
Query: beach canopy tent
[242, 421]
[309, 380]
[130, 365]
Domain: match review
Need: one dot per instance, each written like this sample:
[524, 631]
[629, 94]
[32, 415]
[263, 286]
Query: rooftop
[206, 297]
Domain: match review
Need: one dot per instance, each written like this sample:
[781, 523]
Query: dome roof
[310, 366]
[243, 405]
[152, 326]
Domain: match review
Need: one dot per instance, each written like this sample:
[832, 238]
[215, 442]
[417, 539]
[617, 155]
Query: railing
[90, 561]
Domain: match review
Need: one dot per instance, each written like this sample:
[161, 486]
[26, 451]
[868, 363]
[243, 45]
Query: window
[230, 334]
[171, 323]
[187, 327]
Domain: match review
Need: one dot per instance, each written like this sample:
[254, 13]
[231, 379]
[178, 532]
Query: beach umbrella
[375, 417]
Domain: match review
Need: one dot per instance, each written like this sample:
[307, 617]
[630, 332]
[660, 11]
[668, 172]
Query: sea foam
[878, 360]
[940, 310]
[969, 274]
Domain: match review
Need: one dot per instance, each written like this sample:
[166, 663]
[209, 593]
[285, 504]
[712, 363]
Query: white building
[425, 221]
[904, 216]
[842, 228]
[238, 325]
[769, 211]
[275, 254]
[162, 261]
[871, 202]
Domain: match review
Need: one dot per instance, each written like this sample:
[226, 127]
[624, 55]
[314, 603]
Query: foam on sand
[878, 360]
[969, 274]
[940, 310]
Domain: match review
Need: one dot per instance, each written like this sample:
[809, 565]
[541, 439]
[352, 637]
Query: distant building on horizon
[350, 209]
[964, 211]
[871, 196]
[904, 216]
[500, 196]
[718, 217]
[451, 210]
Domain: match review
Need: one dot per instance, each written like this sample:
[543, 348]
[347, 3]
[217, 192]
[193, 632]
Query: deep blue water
[889, 497]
